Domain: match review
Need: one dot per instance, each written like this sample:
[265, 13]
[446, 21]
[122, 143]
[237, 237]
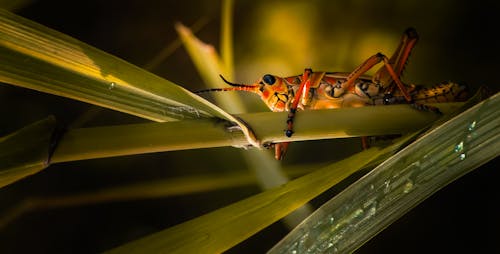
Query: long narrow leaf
[79, 144]
[40, 58]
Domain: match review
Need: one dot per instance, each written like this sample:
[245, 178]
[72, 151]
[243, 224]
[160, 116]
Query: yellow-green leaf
[37, 57]
[79, 144]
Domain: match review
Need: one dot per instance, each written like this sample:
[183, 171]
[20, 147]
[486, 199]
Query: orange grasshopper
[323, 90]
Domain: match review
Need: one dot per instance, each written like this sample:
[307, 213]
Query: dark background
[457, 43]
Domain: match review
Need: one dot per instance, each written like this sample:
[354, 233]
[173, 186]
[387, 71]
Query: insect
[323, 90]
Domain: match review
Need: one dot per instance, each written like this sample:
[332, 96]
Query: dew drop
[472, 126]
[372, 211]
[111, 85]
[331, 219]
[462, 156]
[459, 147]
[387, 186]
[408, 186]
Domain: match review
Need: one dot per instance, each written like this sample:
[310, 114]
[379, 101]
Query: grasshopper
[324, 90]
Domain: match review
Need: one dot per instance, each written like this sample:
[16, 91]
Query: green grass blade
[26, 151]
[36, 57]
[220, 230]
[345, 122]
[386, 193]
[79, 144]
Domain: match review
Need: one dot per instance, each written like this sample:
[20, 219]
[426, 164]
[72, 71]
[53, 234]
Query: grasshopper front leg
[309, 80]
[300, 96]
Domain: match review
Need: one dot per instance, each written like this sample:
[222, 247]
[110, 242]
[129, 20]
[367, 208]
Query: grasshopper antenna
[231, 84]
[235, 87]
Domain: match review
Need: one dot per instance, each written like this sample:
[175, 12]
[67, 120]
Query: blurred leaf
[210, 66]
[169, 49]
[226, 46]
[220, 230]
[13, 5]
[157, 188]
[26, 151]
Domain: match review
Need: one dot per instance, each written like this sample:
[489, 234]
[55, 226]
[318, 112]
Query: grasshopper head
[272, 90]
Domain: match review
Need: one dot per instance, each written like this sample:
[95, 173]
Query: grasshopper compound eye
[269, 79]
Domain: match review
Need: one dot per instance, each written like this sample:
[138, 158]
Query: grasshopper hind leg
[399, 58]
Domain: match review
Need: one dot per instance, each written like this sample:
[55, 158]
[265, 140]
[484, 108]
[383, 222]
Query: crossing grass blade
[26, 151]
